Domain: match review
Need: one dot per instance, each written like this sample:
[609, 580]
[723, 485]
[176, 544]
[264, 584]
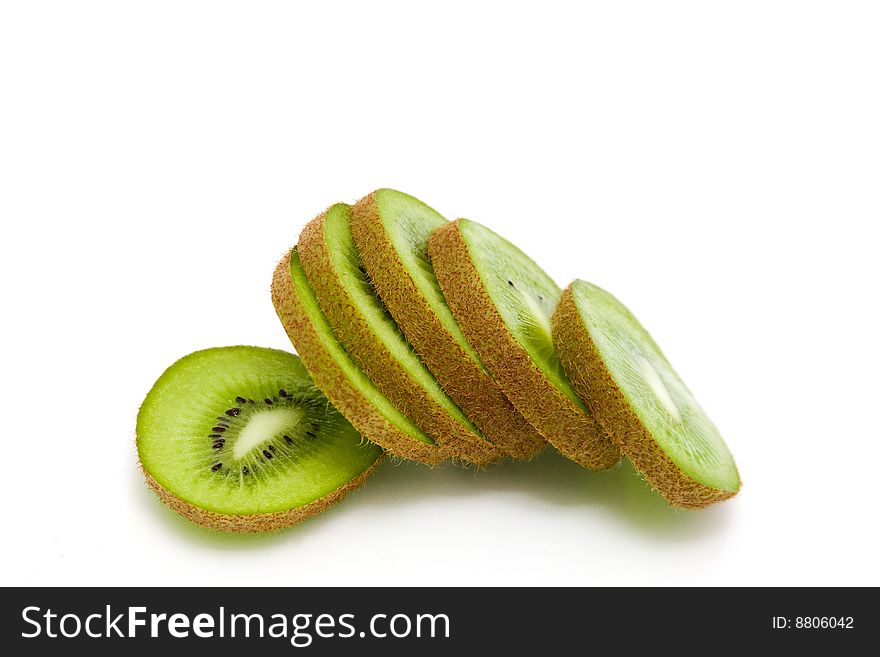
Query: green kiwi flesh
[370, 335]
[639, 398]
[524, 295]
[504, 302]
[337, 375]
[239, 438]
[391, 231]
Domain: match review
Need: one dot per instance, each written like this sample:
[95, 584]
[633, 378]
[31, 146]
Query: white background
[718, 168]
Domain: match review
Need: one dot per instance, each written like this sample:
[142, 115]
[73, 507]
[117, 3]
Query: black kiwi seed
[215, 435]
[272, 448]
[510, 283]
[311, 434]
[233, 412]
[216, 467]
[267, 453]
[245, 470]
[241, 400]
[218, 429]
[268, 401]
[288, 440]
[282, 392]
[217, 445]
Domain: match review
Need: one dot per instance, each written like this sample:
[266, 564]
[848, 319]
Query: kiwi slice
[391, 231]
[239, 439]
[504, 302]
[334, 372]
[616, 366]
[374, 341]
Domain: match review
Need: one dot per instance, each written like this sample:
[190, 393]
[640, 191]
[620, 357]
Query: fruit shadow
[619, 493]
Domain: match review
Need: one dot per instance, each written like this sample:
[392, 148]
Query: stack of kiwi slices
[430, 340]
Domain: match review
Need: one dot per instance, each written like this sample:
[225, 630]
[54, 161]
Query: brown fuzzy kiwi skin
[332, 381]
[258, 522]
[594, 384]
[563, 423]
[461, 377]
[375, 359]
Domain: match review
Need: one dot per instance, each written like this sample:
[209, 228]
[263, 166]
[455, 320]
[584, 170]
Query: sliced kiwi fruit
[370, 335]
[391, 231]
[504, 302]
[633, 391]
[239, 439]
[334, 372]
